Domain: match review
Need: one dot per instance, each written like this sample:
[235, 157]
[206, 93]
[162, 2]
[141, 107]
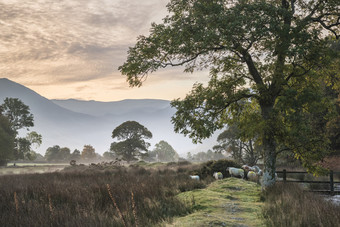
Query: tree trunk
[268, 178]
[269, 147]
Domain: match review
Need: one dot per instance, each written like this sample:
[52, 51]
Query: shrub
[208, 168]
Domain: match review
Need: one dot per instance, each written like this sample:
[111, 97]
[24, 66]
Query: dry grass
[289, 205]
[87, 197]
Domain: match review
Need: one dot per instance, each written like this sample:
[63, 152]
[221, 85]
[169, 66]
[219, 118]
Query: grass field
[159, 194]
[25, 168]
[227, 202]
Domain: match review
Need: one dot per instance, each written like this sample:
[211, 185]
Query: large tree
[130, 142]
[7, 138]
[19, 117]
[17, 113]
[255, 50]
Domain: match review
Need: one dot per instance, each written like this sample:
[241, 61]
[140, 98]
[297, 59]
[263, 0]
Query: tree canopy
[164, 152]
[18, 116]
[88, 152]
[57, 154]
[131, 136]
[6, 141]
[272, 53]
[17, 113]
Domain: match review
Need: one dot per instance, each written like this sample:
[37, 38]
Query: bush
[208, 168]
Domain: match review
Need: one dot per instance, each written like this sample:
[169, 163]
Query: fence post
[284, 175]
[331, 181]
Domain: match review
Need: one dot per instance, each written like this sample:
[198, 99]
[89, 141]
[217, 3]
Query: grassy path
[227, 202]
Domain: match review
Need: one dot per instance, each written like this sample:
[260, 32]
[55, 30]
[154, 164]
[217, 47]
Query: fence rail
[331, 181]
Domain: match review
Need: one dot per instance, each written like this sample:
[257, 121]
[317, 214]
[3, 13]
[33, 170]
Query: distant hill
[74, 123]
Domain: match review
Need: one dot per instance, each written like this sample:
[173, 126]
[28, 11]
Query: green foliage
[19, 117]
[132, 144]
[264, 52]
[164, 152]
[17, 113]
[57, 154]
[244, 151]
[76, 155]
[6, 141]
[34, 138]
[208, 168]
[227, 202]
[23, 147]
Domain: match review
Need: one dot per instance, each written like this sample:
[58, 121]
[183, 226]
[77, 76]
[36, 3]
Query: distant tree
[207, 156]
[23, 147]
[57, 154]
[189, 156]
[109, 155]
[34, 138]
[88, 153]
[164, 152]
[243, 151]
[32, 155]
[52, 153]
[65, 154]
[7, 139]
[76, 155]
[132, 143]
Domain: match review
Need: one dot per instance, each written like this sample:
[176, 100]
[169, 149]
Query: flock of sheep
[252, 173]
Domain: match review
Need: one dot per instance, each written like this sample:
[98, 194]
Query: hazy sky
[72, 48]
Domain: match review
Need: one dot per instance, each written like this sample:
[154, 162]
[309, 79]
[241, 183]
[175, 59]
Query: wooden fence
[331, 181]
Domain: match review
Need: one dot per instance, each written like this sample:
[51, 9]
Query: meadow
[155, 194]
[84, 196]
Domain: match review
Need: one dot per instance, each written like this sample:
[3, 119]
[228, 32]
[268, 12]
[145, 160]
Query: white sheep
[256, 169]
[235, 172]
[195, 177]
[252, 176]
[218, 175]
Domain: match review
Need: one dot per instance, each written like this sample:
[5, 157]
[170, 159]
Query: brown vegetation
[289, 205]
[84, 196]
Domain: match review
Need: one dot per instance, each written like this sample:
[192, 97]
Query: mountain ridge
[81, 123]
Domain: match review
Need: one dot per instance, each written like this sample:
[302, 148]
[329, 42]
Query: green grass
[227, 202]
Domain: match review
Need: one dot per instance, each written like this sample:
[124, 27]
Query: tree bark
[269, 146]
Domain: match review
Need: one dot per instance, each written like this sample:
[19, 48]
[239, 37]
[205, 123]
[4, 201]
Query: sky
[66, 49]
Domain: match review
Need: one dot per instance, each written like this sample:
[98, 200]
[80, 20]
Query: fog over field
[74, 123]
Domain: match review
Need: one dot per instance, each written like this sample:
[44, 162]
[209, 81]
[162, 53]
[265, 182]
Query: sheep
[195, 177]
[218, 175]
[256, 169]
[235, 172]
[252, 176]
[247, 168]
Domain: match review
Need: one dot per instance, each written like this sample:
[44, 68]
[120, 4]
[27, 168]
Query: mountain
[74, 123]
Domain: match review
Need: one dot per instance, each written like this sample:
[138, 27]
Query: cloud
[75, 43]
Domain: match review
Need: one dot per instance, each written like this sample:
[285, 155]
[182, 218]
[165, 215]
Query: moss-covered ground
[227, 202]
